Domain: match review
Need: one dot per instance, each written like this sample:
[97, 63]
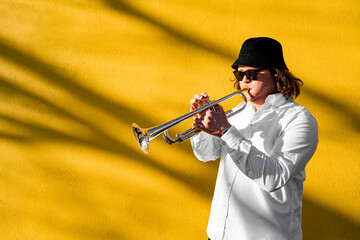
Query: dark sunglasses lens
[252, 75]
[239, 75]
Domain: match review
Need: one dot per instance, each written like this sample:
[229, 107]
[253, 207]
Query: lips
[248, 93]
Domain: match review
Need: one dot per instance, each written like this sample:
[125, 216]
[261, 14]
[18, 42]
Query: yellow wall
[74, 75]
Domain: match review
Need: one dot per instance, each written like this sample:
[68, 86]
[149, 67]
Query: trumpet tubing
[144, 136]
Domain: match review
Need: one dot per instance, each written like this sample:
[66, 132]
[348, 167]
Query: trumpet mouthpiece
[244, 89]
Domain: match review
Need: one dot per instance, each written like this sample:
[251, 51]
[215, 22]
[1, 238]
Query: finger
[206, 100]
[196, 103]
[198, 121]
[207, 120]
[198, 126]
[193, 103]
[205, 97]
[220, 109]
[201, 98]
[197, 97]
[209, 113]
[200, 115]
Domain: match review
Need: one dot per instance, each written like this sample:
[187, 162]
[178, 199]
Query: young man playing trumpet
[263, 150]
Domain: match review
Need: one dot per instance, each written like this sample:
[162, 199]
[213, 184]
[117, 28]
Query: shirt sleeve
[293, 148]
[206, 147]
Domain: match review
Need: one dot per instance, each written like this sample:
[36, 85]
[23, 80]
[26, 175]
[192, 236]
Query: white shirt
[258, 192]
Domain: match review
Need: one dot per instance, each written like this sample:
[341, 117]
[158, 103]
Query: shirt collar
[273, 101]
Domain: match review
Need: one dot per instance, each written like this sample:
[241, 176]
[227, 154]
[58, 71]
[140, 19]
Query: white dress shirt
[258, 192]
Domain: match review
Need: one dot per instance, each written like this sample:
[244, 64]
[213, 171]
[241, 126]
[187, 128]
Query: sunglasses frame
[251, 74]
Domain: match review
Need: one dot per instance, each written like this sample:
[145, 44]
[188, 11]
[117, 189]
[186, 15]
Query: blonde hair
[286, 82]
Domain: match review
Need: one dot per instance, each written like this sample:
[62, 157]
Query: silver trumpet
[146, 135]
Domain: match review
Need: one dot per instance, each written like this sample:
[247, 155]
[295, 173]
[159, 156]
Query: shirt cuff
[232, 137]
[199, 136]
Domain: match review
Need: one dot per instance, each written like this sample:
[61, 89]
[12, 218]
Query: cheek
[269, 86]
[269, 82]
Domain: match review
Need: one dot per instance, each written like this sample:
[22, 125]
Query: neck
[258, 104]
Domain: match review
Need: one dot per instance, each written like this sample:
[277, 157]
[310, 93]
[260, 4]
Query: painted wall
[75, 74]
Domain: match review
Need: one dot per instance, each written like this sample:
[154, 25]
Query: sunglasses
[251, 74]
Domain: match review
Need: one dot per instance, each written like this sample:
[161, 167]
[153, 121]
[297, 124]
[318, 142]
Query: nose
[246, 80]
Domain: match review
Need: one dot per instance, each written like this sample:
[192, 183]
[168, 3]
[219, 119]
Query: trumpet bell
[141, 137]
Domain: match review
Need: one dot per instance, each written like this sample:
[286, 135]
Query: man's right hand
[198, 101]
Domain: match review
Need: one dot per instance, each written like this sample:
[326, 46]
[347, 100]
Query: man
[263, 149]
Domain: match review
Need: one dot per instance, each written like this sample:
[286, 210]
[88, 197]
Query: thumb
[220, 109]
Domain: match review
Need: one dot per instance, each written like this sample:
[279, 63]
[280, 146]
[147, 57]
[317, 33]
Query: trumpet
[144, 136]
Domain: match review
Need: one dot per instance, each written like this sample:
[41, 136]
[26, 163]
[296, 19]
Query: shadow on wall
[350, 116]
[181, 37]
[321, 223]
[123, 7]
[318, 221]
[98, 139]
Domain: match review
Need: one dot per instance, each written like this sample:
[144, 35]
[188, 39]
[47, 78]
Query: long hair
[286, 83]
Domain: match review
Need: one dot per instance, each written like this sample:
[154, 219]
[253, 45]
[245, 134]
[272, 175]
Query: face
[260, 88]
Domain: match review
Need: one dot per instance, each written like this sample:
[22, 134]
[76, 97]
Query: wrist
[225, 130]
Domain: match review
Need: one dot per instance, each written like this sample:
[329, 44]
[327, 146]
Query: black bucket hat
[261, 52]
